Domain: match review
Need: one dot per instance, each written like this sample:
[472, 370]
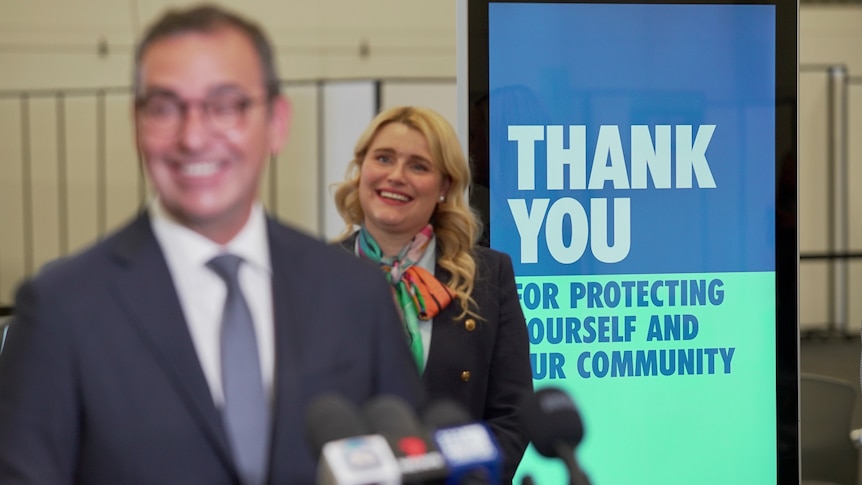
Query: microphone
[331, 417]
[470, 449]
[418, 459]
[347, 453]
[553, 423]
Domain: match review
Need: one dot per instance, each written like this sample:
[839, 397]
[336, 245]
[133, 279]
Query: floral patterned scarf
[418, 294]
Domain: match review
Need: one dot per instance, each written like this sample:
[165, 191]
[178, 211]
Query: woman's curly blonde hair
[455, 224]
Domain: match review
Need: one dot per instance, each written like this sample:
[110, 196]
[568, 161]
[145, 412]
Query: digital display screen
[633, 161]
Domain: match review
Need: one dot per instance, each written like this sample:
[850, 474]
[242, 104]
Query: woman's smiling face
[399, 183]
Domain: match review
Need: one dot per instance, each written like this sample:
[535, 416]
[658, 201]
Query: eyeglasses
[163, 113]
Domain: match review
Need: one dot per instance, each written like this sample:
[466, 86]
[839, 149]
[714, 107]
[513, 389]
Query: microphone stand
[567, 454]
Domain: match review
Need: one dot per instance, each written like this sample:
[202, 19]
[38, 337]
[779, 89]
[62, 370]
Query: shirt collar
[251, 243]
[429, 257]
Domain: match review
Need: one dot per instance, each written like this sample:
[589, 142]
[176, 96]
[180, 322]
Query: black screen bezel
[786, 217]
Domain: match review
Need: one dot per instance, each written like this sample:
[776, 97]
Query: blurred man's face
[205, 128]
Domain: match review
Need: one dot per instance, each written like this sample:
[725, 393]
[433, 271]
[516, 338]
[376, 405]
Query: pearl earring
[442, 198]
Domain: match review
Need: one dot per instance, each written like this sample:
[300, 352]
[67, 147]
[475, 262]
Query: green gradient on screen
[669, 429]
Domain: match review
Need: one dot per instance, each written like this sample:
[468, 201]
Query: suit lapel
[443, 329]
[286, 312]
[349, 243]
[146, 291]
[293, 316]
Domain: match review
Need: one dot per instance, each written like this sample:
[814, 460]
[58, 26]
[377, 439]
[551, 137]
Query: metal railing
[41, 160]
[835, 254]
[838, 251]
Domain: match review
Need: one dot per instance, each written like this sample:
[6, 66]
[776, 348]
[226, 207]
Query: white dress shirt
[202, 292]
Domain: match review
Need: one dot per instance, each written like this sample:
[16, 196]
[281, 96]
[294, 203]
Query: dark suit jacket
[484, 364]
[100, 382]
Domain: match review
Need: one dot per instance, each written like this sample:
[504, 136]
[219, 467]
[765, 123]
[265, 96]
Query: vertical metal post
[838, 160]
[27, 184]
[62, 175]
[101, 166]
[321, 159]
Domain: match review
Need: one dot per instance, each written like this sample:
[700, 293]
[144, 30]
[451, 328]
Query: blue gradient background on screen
[624, 65]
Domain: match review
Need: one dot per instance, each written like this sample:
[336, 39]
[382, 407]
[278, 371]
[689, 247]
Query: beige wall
[315, 39]
[54, 43]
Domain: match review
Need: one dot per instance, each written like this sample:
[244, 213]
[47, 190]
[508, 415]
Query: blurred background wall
[69, 171]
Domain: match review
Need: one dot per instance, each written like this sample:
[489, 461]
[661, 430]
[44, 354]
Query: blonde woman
[404, 205]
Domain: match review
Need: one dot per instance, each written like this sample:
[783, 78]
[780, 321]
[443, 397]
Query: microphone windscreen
[331, 417]
[468, 446]
[392, 416]
[549, 416]
[445, 413]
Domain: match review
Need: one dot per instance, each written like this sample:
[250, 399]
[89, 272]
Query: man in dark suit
[115, 369]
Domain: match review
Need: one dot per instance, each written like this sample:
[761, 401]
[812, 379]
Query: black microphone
[418, 459]
[348, 454]
[470, 449]
[554, 425]
[330, 417]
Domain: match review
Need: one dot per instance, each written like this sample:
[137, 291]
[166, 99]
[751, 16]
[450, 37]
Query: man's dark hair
[208, 19]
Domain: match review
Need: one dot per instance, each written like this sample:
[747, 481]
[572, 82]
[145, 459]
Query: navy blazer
[483, 363]
[100, 382]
